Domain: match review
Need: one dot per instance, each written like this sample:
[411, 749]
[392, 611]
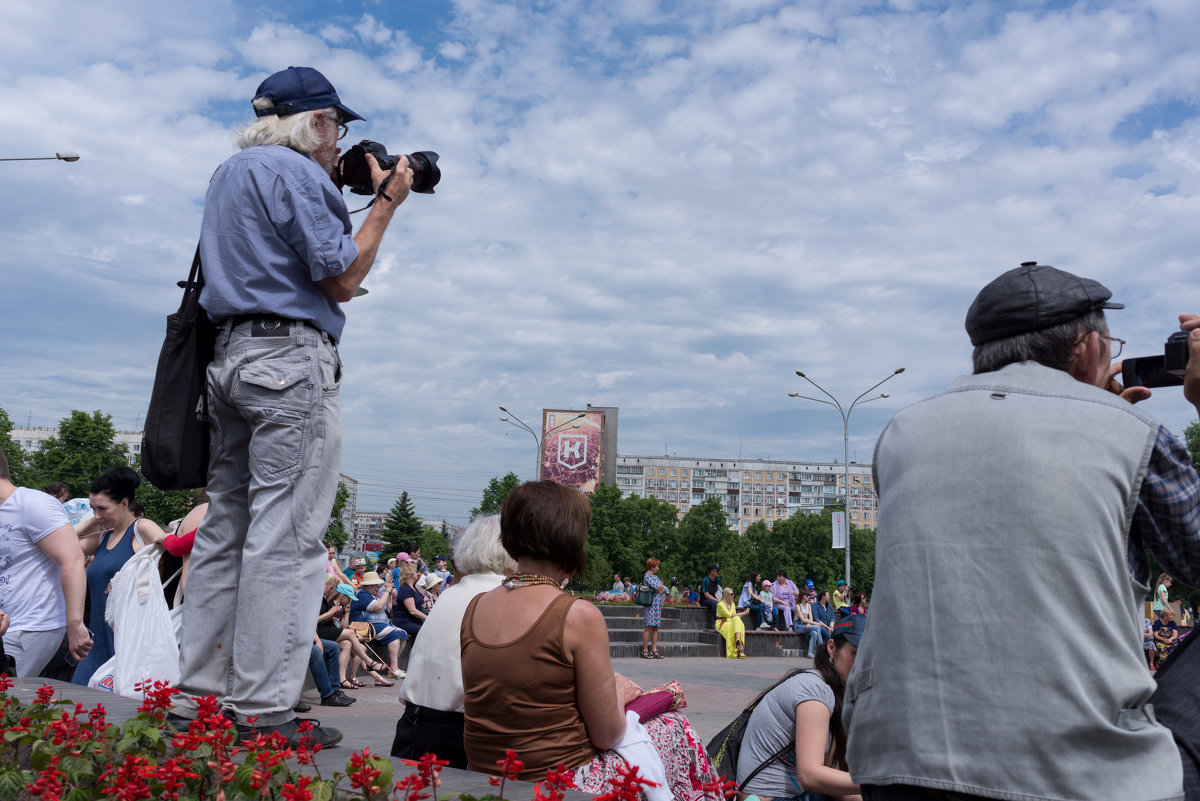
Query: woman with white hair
[433, 692]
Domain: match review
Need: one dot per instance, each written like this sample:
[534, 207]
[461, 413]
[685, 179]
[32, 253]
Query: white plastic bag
[143, 633]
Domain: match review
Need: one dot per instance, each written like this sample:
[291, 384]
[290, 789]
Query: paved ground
[716, 690]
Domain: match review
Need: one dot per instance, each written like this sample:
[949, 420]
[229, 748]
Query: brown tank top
[521, 695]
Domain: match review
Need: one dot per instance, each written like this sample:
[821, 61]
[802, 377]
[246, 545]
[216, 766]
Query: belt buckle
[268, 327]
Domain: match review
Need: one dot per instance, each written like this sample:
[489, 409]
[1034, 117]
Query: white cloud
[668, 210]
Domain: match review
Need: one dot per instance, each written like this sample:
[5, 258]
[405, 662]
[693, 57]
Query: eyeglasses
[343, 129]
[1120, 343]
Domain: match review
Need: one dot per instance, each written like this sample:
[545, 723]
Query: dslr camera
[354, 172]
[1158, 371]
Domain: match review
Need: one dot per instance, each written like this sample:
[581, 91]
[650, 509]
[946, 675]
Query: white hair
[478, 550]
[301, 132]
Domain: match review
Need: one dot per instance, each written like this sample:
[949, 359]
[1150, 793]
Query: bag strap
[777, 755]
[190, 305]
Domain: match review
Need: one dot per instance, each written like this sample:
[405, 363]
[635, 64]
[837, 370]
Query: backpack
[725, 748]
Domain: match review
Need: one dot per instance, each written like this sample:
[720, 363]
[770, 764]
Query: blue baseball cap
[348, 591]
[852, 627]
[299, 89]
[809, 584]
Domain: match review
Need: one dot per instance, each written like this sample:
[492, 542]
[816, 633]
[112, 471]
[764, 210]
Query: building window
[683, 472]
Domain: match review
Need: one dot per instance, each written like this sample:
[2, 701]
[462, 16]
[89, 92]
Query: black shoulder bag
[725, 748]
[175, 439]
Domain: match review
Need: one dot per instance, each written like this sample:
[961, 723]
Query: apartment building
[750, 489]
[30, 439]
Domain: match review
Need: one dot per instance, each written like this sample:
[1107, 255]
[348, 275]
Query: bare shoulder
[585, 614]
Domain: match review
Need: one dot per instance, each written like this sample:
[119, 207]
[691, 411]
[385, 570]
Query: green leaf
[11, 782]
[75, 766]
[241, 777]
[40, 755]
[322, 791]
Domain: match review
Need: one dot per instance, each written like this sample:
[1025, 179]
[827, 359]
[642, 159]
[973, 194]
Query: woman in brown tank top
[536, 666]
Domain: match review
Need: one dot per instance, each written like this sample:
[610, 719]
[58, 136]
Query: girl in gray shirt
[805, 707]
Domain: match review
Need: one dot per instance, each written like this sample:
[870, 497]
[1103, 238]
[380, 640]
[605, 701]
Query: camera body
[1158, 371]
[354, 171]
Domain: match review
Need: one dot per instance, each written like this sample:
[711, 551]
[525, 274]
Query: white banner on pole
[839, 530]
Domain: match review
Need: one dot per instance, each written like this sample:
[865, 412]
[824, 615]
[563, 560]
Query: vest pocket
[859, 683]
[1136, 718]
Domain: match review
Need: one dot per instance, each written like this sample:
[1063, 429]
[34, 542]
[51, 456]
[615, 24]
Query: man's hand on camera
[399, 181]
[1191, 378]
[1113, 385]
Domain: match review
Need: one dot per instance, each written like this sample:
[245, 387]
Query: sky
[661, 206]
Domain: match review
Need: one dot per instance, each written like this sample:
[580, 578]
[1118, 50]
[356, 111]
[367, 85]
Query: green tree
[13, 453]
[163, 506]
[335, 533]
[704, 533]
[624, 532]
[494, 494]
[433, 542]
[1191, 438]
[82, 449]
[401, 530]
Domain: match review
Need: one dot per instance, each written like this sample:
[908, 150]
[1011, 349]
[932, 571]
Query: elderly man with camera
[1029, 493]
[278, 259]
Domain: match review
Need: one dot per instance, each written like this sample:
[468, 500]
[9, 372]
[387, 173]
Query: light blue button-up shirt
[274, 225]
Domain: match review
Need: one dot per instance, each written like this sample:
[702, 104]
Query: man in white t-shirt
[42, 582]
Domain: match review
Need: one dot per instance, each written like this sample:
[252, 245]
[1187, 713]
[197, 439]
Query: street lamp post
[66, 155]
[538, 442]
[845, 413]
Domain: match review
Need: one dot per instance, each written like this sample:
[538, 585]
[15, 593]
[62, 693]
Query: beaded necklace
[517, 580]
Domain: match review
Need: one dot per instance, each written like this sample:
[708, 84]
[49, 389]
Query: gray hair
[301, 132]
[1053, 347]
[478, 550]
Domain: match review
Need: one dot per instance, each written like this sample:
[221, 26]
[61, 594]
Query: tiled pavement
[716, 690]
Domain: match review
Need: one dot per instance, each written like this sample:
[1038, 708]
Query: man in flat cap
[279, 259]
[1023, 500]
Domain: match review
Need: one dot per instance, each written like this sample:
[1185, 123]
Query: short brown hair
[545, 520]
[4, 467]
[652, 563]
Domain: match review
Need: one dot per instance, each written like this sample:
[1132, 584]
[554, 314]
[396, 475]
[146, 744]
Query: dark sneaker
[176, 724]
[301, 706]
[325, 736]
[337, 698]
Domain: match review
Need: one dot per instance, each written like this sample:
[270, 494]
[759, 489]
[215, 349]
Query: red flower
[627, 786]
[156, 697]
[362, 772]
[412, 786]
[428, 768]
[44, 694]
[126, 781]
[5, 683]
[173, 773]
[558, 780]
[726, 788]
[48, 784]
[510, 766]
[298, 791]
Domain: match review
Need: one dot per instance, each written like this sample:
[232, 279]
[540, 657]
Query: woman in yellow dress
[731, 626]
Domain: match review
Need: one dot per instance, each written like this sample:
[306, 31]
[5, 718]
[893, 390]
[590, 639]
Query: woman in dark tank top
[536, 664]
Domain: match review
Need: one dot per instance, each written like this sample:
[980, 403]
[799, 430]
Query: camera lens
[425, 171]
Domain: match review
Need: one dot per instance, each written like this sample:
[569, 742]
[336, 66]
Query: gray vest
[1003, 655]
